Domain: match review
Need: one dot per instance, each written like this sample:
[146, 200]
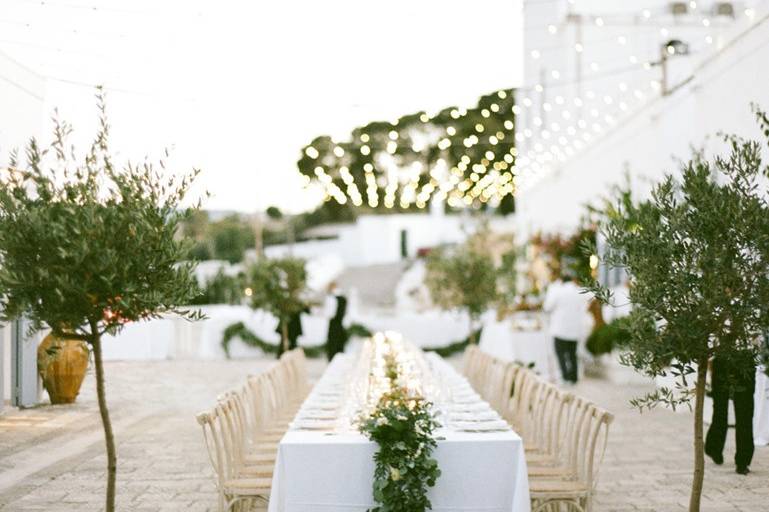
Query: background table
[500, 340]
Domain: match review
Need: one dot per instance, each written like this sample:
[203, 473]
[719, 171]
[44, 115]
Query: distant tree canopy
[466, 156]
[225, 239]
[274, 212]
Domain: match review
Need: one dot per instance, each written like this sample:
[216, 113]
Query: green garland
[239, 330]
[402, 425]
[456, 347]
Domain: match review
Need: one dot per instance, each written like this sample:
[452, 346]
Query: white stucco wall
[22, 104]
[22, 98]
[716, 99]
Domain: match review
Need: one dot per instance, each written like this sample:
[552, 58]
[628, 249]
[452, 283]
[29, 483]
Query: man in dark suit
[733, 379]
[294, 330]
[337, 334]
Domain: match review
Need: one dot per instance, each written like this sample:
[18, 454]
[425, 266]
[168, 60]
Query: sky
[237, 88]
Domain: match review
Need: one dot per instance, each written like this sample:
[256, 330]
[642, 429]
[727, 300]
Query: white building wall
[716, 99]
[22, 99]
[22, 104]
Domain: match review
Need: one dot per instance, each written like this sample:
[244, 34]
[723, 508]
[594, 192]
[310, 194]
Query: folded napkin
[480, 426]
[475, 416]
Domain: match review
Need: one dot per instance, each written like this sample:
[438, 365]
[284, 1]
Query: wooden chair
[222, 446]
[242, 431]
[573, 486]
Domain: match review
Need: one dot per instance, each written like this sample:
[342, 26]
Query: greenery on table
[476, 147]
[462, 278]
[402, 425]
[697, 252]
[87, 247]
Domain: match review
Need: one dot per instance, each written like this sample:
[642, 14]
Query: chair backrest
[525, 393]
[212, 437]
[595, 437]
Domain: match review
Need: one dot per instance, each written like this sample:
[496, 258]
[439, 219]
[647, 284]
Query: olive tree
[462, 279]
[697, 255]
[86, 247]
[279, 286]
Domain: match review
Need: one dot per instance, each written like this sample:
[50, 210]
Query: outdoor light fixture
[674, 47]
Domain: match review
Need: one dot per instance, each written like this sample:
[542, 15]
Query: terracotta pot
[62, 365]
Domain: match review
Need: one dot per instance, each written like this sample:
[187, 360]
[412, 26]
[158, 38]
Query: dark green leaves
[84, 244]
[278, 285]
[463, 278]
[698, 255]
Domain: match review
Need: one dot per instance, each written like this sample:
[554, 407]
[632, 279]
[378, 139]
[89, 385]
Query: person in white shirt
[567, 306]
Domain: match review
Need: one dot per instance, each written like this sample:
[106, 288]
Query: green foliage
[226, 239]
[402, 425]
[461, 279]
[605, 338]
[239, 330]
[200, 251]
[278, 286]
[456, 347]
[247, 336]
[87, 247]
[274, 212]
[231, 237]
[221, 289]
[697, 252]
[359, 331]
[568, 254]
[478, 140]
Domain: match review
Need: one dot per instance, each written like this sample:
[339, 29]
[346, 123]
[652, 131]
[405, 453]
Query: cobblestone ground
[649, 461]
[51, 457]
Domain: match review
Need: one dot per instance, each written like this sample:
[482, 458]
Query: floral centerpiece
[402, 424]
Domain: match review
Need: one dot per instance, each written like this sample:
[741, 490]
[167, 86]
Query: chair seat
[269, 439]
[257, 470]
[248, 486]
[260, 458]
[549, 471]
[540, 459]
[274, 429]
[553, 489]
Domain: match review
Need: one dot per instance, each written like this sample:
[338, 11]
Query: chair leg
[557, 505]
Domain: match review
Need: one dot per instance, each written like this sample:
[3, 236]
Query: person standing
[567, 306]
[337, 334]
[294, 330]
[733, 379]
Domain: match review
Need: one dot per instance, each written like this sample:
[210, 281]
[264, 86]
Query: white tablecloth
[333, 472]
[500, 340]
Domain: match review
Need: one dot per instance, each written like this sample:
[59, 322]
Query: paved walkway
[51, 458]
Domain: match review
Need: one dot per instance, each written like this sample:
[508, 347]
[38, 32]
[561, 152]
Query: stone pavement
[650, 458]
[51, 457]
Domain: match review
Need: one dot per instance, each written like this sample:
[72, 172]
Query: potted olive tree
[462, 279]
[697, 254]
[87, 247]
[279, 287]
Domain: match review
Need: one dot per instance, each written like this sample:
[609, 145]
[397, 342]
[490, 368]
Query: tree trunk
[471, 337]
[108, 436]
[284, 335]
[699, 446]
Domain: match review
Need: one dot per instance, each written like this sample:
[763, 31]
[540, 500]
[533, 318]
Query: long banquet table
[328, 466]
